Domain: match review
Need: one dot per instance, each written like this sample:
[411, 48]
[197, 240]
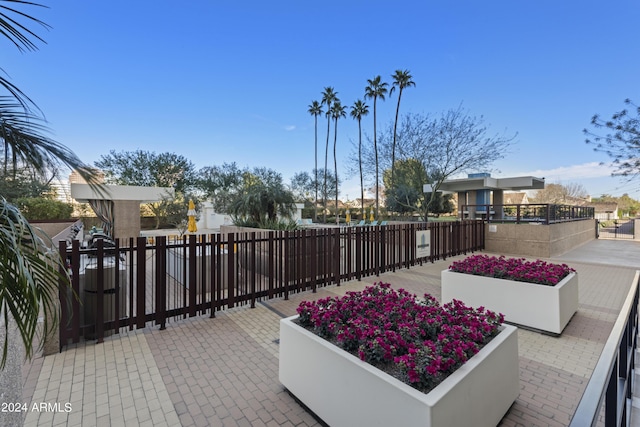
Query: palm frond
[25, 102]
[23, 134]
[30, 273]
[16, 32]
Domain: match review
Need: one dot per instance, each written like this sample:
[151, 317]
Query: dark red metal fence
[152, 281]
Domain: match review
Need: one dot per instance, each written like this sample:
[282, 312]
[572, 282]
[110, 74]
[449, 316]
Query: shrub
[37, 208]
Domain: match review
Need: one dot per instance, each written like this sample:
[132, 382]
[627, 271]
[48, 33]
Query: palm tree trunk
[393, 146]
[335, 164]
[315, 174]
[375, 149]
[326, 159]
[360, 161]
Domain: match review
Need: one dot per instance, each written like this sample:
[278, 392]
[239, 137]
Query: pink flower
[421, 341]
[518, 269]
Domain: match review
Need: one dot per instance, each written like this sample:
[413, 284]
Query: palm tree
[376, 89]
[262, 203]
[329, 96]
[358, 110]
[337, 112]
[30, 269]
[315, 109]
[401, 80]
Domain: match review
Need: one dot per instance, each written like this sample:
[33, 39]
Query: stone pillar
[498, 202]
[126, 219]
[462, 200]
[471, 200]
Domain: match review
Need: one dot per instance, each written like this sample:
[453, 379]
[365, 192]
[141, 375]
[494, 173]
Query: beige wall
[537, 240]
[126, 214]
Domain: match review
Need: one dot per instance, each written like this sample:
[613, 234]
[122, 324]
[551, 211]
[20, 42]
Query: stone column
[126, 219]
[462, 200]
[498, 202]
[471, 200]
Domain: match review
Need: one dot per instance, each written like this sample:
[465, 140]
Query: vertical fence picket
[75, 286]
[161, 282]
[231, 276]
[271, 261]
[191, 279]
[252, 268]
[65, 302]
[358, 243]
[141, 291]
[313, 236]
[100, 291]
[347, 238]
[286, 265]
[205, 275]
[129, 256]
[118, 296]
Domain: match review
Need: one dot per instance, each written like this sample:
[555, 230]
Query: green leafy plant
[30, 273]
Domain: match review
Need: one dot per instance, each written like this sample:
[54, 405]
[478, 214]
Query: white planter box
[344, 391]
[547, 308]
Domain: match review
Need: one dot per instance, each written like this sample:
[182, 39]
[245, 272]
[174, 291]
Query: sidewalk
[224, 371]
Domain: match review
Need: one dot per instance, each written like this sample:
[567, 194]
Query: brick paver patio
[224, 371]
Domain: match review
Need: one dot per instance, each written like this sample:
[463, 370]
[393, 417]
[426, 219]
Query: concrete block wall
[538, 240]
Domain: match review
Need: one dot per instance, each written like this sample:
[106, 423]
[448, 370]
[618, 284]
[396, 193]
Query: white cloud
[573, 172]
[289, 128]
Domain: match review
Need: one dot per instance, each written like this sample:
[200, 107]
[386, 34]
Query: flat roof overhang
[84, 192]
[489, 183]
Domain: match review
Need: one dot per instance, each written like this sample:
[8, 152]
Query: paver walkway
[224, 371]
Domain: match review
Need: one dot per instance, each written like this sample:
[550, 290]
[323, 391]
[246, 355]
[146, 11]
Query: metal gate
[617, 229]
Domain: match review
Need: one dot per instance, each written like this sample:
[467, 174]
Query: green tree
[302, 185]
[38, 208]
[358, 110]
[375, 89]
[176, 208]
[405, 196]
[621, 141]
[329, 96]
[30, 270]
[149, 169]
[401, 80]
[24, 183]
[315, 109]
[338, 111]
[628, 206]
[220, 184]
[263, 198]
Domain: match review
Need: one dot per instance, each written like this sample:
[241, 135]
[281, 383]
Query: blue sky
[231, 81]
